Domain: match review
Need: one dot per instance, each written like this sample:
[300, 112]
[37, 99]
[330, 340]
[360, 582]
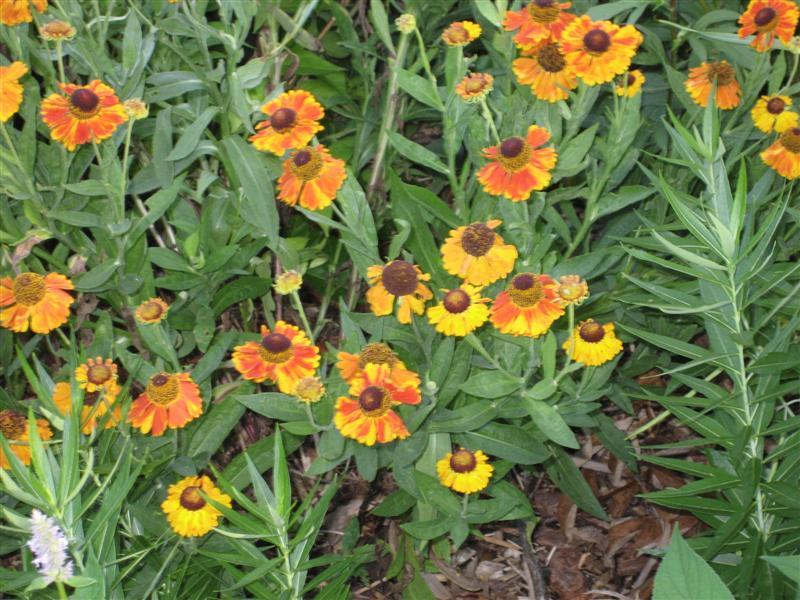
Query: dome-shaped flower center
[630, 80]
[283, 119]
[162, 389]
[99, 374]
[543, 11]
[514, 154]
[28, 289]
[790, 139]
[512, 147]
[477, 239]
[376, 354]
[526, 290]
[721, 72]
[400, 278]
[463, 461]
[191, 498]
[457, 34]
[551, 59]
[151, 310]
[86, 101]
[276, 348]
[776, 106]
[12, 424]
[374, 400]
[456, 301]
[57, 30]
[309, 389]
[591, 332]
[597, 41]
[765, 16]
[306, 164]
[474, 84]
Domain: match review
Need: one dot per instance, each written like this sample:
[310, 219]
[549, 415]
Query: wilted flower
[309, 389]
[57, 31]
[49, 547]
[288, 282]
[475, 86]
[136, 109]
[150, 311]
[406, 23]
[571, 289]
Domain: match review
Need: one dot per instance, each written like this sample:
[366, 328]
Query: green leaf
[274, 405]
[416, 153]
[215, 427]
[192, 134]
[570, 480]
[788, 565]
[380, 20]
[491, 384]
[549, 422]
[508, 442]
[466, 418]
[419, 88]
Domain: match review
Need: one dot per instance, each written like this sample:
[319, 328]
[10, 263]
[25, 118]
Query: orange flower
[598, 50]
[96, 374]
[14, 12]
[40, 302]
[545, 69]
[87, 113]
[150, 311]
[702, 79]
[518, 165]
[784, 154]
[368, 417]
[631, 85]
[14, 427]
[285, 355]
[528, 306]
[352, 365]
[477, 254]
[311, 177]
[292, 120]
[168, 401]
[11, 89]
[769, 19]
[475, 87]
[401, 280]
[56, 31]
[95, 405]
[461, 33]
[540, 21]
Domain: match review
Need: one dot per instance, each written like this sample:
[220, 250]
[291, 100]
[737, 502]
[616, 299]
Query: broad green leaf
[684, 574]
[549, 422]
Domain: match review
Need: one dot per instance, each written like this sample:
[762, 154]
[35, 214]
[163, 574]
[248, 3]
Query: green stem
[476, 343]
[464, 506]
[62, 592]
[60, 60]
[299, 307]
[487, 115]
[427, 66]
[124, 183]
[571, 333]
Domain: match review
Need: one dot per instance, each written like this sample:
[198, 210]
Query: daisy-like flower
[702, 79]
[151, 311]
[288, 282]
[475, 87]
[14, 427]
[311, 177]
[461, 311]
[767, 20]
[49, 546]
[367, 416]
[401, 281]
[309, 390]
[528, 306]
[597, 51]
[545, 69]
[592, 343]
[169, 401]
[188, 513]
[96, 374]
[540, 21]
[292, 120]
[377, 353]
[784, 155]
[14, 12]
[631, 85]
[284, 356]
[461, 33]
[477, 254]
[95, 405]
[771, 113]
[464, 471]
[11, 89]
[57, 31]
[571, 289]
[40, 302]
[519, 166]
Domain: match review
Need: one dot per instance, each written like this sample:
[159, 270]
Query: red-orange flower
[86, 113]
[528, 306]
[784, 154]
[546, 70]
[14, 12]
[311, 177]
[540, 21]
[40, 302]
[377, 353]
[598, 50]
[702, 79]
[292, 120]
[284, 355]
[519, 166]
[767, 20]
[398, 280]
[168, 401]
[14, 427]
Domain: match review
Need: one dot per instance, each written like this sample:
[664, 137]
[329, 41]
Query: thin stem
[124, 182]
[60, 60]
[476, 343]
[487, 116]
[62, 592]
[464, 506]
[427, 66]
[299, 306]
[571, 333]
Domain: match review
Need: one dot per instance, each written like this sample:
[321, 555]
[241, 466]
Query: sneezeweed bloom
[85, 113]
[461, 33]
[784, 155]
[406, 23]
[309, 389]
[519, 166]
[546, 71]
[767, 20]
[288, 282]
[477, 254]
[11, 89]
[540, 21]
[592, 343]
[401, 281]
[311, 178]
[701, 83]
[14, 427]
[352, 365]
[528, 306]
[49, 546]
[475, 87]
[571, 289]
[284, 356]
[292, 120]
[188, 513]
[597, 51]
[367, 416]
[631, 84]
[136, 109]
[96, 374]
[14, 12]
[151, 311]
[461, 311]
[169, 401]
[464, 471]
[771, 113]
[38, 302]
[57, 31]
[96, 405]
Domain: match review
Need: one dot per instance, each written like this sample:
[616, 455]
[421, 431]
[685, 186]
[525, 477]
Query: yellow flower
[288, 282]
[771, 113]
[188, 513]
[136, 109]
[593, 344]
[57, 31]
[309, 389]
[14, 427]
[461, 311]
[477, 254]
[475, 87]
[632, 84]
[95, 374]
[461, 33]
[153, 310]
[598, 50]
[406, 23]
[400, 282]
[464, 471]
[571, 289]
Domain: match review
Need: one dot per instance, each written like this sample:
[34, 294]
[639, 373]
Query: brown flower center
[765, 16]
[477, 239]
[374, 401]
[12, 424]
[91, 398]
[543, 11]
[456, 301]
[775, 106]
[790, 139]
[474, 84]
[514, 154]
[376, 354]
[526, 290]
[457, 34]
[283, 119]
[592, 332]
[162, 389]
[191, 498]
[631, 79]
[29, 289]
[276, 348]
[721, 72]
[400, 278]
[463, 461]
[306, 164]
[597, 41]
[99, 374]
[85, 101]
[151, 310]
[551, 59]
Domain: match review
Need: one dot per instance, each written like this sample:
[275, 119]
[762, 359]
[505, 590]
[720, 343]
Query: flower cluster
[49, 547]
